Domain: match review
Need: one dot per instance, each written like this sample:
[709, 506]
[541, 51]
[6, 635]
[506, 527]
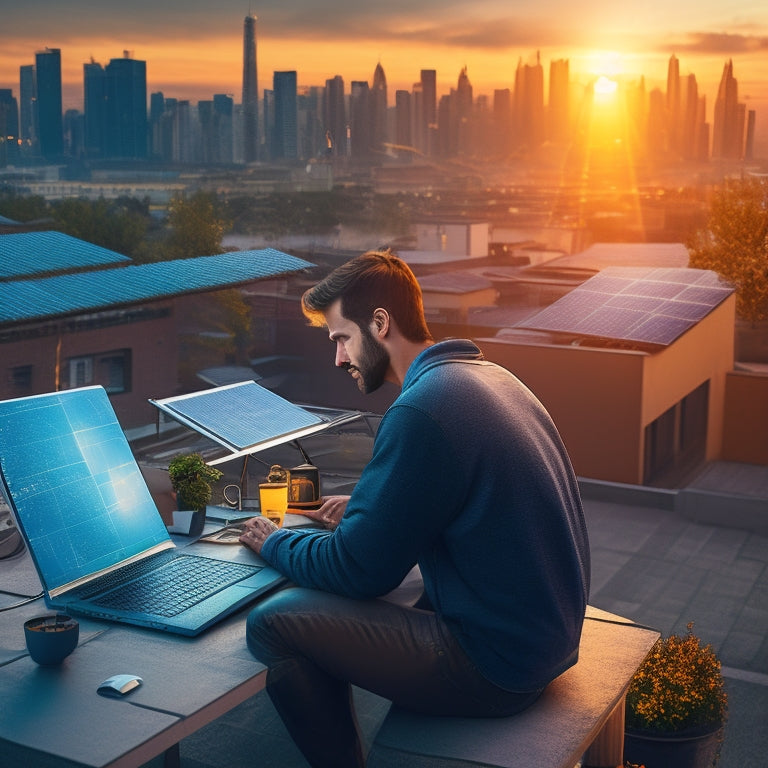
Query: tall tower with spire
[379, 109]
[728, 129]
[250, 92]
[674, 102]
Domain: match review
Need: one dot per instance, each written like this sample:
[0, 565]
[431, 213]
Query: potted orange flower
[676, 706]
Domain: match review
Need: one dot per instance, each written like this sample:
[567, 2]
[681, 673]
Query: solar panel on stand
[246, 417]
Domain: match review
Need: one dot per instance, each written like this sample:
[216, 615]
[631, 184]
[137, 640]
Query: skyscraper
[183, 149]
[126, 108]
[223, 109]
[250, 92]
[360, 121]
[674, 101]
[502, 121]
[529, 103]
[285, 134]
[335, 116]
[559, 114]
[379, 110]
[657, 123]
[728, 128]
[464, 102]
[691, 115]
[95, 103]
[156, 125]
[403, 121]
[749, 146]
[427, 128]
[9, 127]
[27, 108]
[49, 105]
[311, 134]
[215, 123]
[207, 149]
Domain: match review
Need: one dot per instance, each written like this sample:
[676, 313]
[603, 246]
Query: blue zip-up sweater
[469, 479]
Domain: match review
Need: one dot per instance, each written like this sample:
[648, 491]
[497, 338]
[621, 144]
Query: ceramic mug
[50, 639]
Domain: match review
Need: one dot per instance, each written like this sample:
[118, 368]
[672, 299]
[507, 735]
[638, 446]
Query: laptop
[96, 538]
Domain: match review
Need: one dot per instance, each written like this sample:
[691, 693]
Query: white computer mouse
[119, 685]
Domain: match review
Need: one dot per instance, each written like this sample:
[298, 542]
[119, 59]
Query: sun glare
[604, 86]
[606, 63]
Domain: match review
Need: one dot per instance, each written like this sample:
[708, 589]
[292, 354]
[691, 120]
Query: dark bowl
[50, 639]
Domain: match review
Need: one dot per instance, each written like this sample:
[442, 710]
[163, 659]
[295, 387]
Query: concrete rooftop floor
[649, 564]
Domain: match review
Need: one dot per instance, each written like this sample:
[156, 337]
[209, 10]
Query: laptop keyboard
[176, 586]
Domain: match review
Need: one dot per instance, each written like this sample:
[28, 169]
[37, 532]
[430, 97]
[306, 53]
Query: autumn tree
[734, 243]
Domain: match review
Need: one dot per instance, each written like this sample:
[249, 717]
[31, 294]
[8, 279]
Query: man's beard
[374, 363]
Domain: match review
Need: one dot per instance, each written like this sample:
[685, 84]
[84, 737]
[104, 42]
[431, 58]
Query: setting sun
[604, 86]
[193, 54]
[606, 64]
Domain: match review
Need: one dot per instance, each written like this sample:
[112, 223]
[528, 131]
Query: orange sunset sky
[193, 49]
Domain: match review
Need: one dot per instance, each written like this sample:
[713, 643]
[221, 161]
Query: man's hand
[330, 512]
[256, 531]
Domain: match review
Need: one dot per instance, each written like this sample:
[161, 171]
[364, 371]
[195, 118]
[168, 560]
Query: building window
[111, 370]
[21, 378]
[80, 372]
[676, 442]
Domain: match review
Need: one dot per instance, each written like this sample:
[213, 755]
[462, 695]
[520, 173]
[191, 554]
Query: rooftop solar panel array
[455, 282]
[645, 305]
[37, 253]
[89, 291]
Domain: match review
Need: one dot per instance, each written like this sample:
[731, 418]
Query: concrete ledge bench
[580, 716]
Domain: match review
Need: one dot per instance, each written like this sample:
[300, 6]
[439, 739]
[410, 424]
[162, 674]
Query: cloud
[719, 43]
[488, 25]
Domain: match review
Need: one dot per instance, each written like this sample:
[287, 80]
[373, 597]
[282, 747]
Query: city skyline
[194, 52]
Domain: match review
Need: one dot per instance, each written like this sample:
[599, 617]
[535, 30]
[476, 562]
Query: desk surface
[53, 715]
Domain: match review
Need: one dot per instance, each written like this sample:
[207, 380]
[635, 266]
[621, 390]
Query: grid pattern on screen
[653, 305]
[241, 415]
[74, 484]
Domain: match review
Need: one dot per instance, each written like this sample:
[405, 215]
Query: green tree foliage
[283, 213]
[221, 332]
[23, 208]
[119, 225]
[227, 313]
[191, 478]
[197, 226]
[735, 243]
[237, 320]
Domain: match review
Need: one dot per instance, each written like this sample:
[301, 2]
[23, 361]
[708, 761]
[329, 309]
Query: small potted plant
[191, 479]
[676, 705]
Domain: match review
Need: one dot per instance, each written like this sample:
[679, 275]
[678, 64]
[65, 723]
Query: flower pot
[681, 750]
[187, 521]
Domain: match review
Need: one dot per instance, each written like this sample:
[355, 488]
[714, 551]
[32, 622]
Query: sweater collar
[454, 350]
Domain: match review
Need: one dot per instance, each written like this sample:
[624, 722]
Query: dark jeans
[316, 645]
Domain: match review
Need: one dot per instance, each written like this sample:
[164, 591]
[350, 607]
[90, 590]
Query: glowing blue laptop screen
[74, 485]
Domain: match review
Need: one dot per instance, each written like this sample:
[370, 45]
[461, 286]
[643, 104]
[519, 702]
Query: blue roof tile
[36, 253]
[25, 300]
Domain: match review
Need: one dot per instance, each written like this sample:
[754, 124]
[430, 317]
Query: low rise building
[72, 315]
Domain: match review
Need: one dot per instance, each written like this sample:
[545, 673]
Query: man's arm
[406, 496]
[328, 514]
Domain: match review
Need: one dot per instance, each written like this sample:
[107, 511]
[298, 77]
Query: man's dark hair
[374, 279]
